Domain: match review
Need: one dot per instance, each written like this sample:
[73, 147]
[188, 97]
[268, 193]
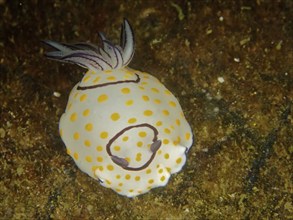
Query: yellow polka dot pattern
[125, 90]
[83, 97]
[86, 112]
[132, 120]
[87, 143]
[73, 117]
[102, 98]
[76, 136]
[129, 102]
[115, 116]
[113, 109]
[89, 127]
[104, 135]
[148, 113]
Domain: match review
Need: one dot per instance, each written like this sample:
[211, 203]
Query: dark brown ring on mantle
[116, 159]
[110, 83]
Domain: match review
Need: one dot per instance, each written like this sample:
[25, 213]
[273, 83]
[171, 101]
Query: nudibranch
[121, 126]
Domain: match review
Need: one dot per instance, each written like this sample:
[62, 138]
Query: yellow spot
[89, 127]
[125, 90]
[163, 178]
[144, 83]
[75, 155]
[118, 190]
[175, 142]
[166, 156]
[178, 161]
[61, 132]
[159, 123]
[151, 181]
[138, 157]
[139, 144]
[73, 117]
[129, 102]
[108, 182]
[155, 90]
[161, 170]
[83, 97]
[111, 78]
[137, 178]
[118, 176]
[167, 92]
[125, 138]
[131, 120]
[102, 98]
[97, 79]
[127, 159]
[127, 176]
[166, 112]
[117, 148]
[142, 134]
[127, 76]
[99, 148]
[101, 168]
[148, 113]
[141, 87]
[76, 136]
[120, 184]
[100, 159]
[110, 167]
[128, 72]
[104, 135]
[172, 104]
[115, 116]
[88, 159]
[148, 171]
[145, 98]
[87, 143]
[85, 79]
[108, 71]
[178, 122]
[167, 131]
[168, 169]
[187, 136]
[69, 106]
[86, 112]
[157, 101]
[131, 190]
[94, 168]
[166, 141]
[75, 95]
[68, 151]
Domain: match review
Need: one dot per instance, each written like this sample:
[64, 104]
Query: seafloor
[230, 63]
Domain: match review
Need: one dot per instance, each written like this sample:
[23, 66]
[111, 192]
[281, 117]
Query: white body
[119, 111]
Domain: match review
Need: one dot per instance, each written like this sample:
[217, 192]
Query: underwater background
[229, 63]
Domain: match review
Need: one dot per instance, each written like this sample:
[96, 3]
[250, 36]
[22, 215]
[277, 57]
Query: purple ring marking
[154, 150]
[110, 83]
